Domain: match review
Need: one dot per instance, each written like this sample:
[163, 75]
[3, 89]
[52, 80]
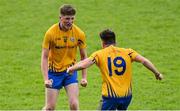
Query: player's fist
[69, 71]
[48, 83]
[159, 76]
[83, 82]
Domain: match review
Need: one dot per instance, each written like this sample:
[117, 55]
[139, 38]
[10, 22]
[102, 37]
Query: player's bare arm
[44, 67]
[81, 65]
[148, 64]
[83, 55]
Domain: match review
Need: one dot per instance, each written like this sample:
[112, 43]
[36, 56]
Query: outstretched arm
[81, 65]
[148, 64]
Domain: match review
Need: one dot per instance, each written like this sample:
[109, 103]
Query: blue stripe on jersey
[108, 91]
[111, 92]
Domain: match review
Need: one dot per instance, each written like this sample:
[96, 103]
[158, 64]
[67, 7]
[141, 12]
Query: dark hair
[67, 9]
[108, 36]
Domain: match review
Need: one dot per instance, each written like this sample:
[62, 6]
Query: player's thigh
[72, 91]
[51, 96]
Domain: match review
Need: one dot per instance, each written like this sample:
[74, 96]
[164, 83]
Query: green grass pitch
[151, 27]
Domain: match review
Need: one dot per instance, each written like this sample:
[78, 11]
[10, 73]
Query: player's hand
[48, 83]
[159, 76]
[69, 71]
[84, 82]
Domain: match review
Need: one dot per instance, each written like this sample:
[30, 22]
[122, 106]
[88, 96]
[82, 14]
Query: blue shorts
[121, 103]
[60, 79]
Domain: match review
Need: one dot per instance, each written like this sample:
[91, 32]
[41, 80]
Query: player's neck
[107, 45]
[61, 27]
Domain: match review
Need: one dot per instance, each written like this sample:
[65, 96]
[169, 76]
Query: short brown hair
[108, 36]
[67, 9]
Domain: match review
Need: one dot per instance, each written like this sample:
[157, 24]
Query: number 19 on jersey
[117, 64]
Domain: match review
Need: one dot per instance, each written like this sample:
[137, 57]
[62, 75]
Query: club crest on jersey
[72, 39]
[65, 38]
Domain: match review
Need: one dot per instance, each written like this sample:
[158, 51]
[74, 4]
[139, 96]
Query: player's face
[67, 21]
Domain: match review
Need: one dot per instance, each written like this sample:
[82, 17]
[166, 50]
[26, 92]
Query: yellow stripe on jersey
[115, 65]
[63, 46]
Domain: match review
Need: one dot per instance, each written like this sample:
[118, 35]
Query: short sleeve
[82, 40]
[94, 57]
[46, 41]
[132, 53]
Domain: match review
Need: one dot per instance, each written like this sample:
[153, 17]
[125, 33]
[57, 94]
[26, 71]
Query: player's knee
[74, 104]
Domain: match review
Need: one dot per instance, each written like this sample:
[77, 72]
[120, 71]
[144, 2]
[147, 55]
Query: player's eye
[69, 18]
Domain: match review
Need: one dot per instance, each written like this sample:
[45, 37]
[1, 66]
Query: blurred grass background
[148, 26]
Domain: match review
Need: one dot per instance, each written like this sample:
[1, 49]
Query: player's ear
[102, 44]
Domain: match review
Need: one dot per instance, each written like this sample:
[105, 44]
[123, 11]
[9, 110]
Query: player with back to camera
[115, 65]
[59, 51]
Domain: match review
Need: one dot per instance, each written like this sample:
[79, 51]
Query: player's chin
[68, 27]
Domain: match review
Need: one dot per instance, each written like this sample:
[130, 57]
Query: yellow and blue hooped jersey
[63, 46]
[115, 66]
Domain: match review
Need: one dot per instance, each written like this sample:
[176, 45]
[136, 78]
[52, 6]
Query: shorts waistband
[123, 97]
[54, 72]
